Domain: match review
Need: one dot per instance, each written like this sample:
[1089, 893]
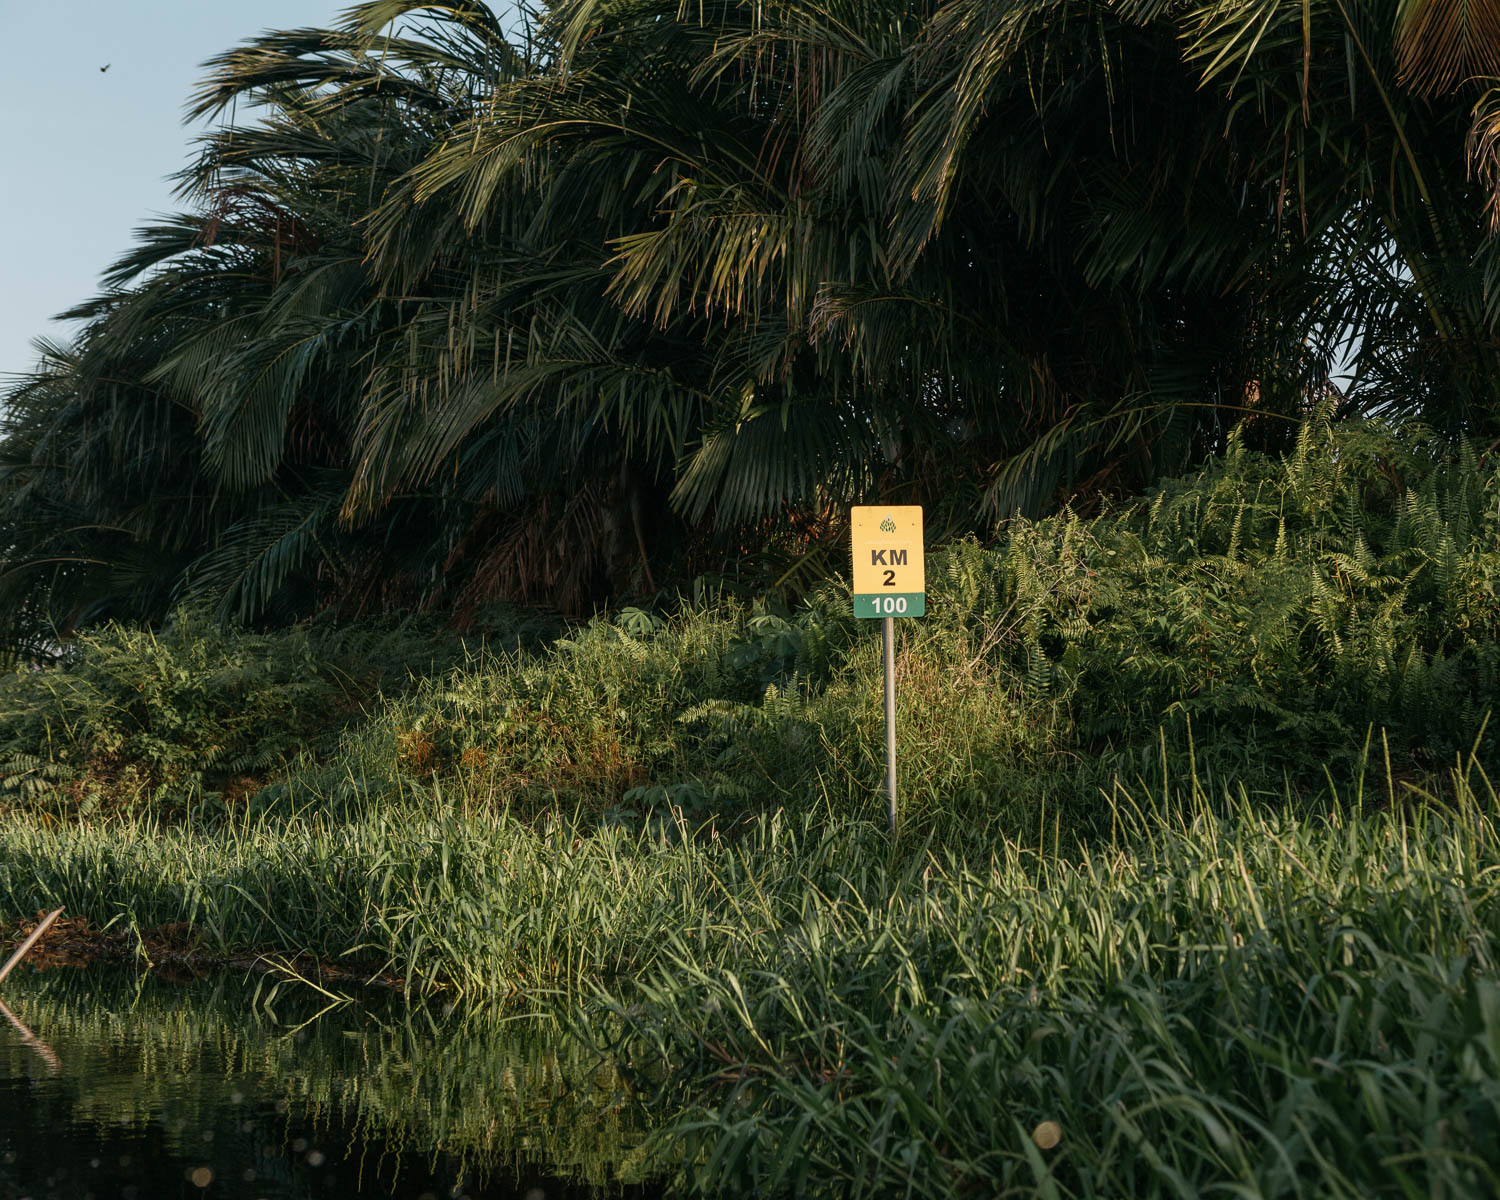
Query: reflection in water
[132, 1088]
[54, 1064]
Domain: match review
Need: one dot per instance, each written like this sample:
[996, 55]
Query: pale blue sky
[85, 154]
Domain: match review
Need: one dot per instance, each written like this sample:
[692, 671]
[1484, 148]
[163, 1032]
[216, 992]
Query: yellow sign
[890, 577]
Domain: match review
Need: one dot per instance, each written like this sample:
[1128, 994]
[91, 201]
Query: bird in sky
[105, 67]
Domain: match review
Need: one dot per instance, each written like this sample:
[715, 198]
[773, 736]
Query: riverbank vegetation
[1194, 884]
[1213, 996]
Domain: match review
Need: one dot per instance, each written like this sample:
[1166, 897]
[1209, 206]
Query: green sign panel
[891, 604]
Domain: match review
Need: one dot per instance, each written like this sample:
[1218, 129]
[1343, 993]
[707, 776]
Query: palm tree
[464, 311]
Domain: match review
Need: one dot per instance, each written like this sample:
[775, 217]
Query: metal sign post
[890, 581]
[888, 636]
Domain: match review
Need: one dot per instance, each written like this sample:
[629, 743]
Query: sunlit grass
[1264, 1004]
[1215, 996]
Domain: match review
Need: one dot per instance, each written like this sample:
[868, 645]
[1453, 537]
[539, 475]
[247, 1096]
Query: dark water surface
[133, 1087]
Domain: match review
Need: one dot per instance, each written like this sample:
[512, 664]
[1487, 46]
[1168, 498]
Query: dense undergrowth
[1266, 622]
[1195, 888]
[1257, 1007]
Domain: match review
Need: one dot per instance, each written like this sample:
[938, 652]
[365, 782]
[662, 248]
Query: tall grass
[1242, 1005]
[481, 906]
[1217, 998]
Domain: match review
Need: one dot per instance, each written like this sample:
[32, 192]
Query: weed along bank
[890, 581]
[1108, 955]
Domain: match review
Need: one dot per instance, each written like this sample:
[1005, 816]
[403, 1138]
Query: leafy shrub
[602, 713]
[1275, 611]
[1261, 620]
[134, 716]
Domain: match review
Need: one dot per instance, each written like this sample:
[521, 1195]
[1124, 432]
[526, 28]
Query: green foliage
[1263, 620]
[133, 717]
[1274, 611]
[1253, 1006]
[602, 718]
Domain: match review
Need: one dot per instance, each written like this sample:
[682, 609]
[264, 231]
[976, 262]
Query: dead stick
[29, 943]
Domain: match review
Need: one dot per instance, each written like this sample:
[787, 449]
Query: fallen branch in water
[175, 951]
[31, 941]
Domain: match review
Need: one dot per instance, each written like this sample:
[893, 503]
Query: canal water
[119, 1086]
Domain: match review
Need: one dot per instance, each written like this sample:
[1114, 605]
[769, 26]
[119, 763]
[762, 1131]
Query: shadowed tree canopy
[580, 303]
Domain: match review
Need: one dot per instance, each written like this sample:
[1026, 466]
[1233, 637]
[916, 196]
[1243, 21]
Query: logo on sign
[888, 525]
